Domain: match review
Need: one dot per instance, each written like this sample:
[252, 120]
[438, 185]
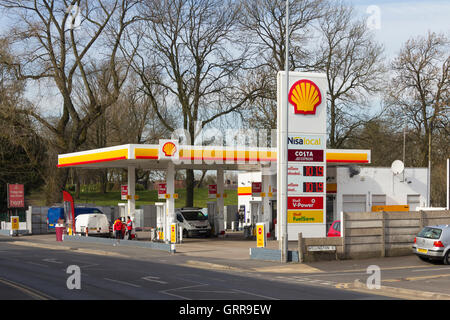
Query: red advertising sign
[305, 155]
[16, 196]
[212, 191]
[162, 190]
[303, 203]
[256, 189]
[123, 192]
[69, 210]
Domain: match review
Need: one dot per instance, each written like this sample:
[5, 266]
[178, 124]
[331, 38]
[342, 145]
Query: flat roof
[144, 156]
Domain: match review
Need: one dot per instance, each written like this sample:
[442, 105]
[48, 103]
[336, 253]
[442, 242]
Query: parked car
[335, 229]
[433, 243]
[194, 222]
[95, 224]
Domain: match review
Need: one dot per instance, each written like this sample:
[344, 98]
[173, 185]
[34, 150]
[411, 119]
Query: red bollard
[59, 232]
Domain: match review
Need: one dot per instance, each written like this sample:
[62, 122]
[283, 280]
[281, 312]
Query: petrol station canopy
[144, 156]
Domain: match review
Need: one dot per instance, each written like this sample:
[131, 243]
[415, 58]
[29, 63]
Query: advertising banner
[162, 190]
[297, 203]
[16, 196]
[256, 189]
[305, 216]
[260, 236]
[297, 155]
[14, 223]
[123, 192]
[173, 233]
[212, 191]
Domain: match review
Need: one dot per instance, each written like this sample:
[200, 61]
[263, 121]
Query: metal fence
[39, 220]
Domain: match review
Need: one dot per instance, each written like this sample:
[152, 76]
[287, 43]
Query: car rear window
[430, 233]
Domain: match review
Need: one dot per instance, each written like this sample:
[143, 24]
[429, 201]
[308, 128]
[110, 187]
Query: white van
[96, 224]
[194, 222]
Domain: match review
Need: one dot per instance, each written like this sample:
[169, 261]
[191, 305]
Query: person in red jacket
[117, 227]
[129, 227]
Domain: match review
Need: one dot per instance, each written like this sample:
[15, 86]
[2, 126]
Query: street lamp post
[284, 157]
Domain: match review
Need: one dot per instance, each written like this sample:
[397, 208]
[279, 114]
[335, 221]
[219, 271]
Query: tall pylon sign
[302, 156]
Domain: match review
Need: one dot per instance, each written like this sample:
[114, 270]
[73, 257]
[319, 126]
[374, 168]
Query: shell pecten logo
[305, 96]
[169, 149]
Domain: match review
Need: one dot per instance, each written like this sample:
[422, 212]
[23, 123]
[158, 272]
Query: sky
[393, 22]
[402, 19]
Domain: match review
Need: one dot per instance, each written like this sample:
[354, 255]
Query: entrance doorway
[331, 208]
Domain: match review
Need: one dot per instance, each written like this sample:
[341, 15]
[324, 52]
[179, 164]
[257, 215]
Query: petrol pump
[213, 217]
[162, 225]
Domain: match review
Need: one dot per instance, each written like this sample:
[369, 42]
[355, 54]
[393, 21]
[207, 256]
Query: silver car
[433, 242]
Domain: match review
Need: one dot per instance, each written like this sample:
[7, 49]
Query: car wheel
[447, 257]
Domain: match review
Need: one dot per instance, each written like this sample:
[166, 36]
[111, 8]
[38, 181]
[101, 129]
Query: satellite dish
[354, 171]
[397, 167]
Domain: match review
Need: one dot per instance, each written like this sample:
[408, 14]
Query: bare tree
[263, 27]
[22, 151]
[186, 49]
[53, 42]
[353, 63]
[419, 93]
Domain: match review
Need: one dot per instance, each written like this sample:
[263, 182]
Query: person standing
[117, 227]
[129, 227]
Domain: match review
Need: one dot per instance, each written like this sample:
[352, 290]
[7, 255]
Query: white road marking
[254, 294]
[181, 288]
[52, 260]
[123, 282]
[154, 279]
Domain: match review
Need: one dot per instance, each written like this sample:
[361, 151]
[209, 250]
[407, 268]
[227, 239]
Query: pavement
[231, 254]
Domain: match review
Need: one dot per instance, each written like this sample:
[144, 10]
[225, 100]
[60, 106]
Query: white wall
[245, 181]
[381, 181]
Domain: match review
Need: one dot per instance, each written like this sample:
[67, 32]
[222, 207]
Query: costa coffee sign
[306, 155]
[16, 196]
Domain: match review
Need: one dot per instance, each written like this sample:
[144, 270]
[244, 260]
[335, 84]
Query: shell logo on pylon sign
[169, 149]
[305, 96]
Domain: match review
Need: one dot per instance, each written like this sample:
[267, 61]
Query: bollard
[59, 232]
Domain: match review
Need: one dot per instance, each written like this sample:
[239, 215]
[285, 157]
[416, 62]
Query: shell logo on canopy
[305, 96]
[169, 149]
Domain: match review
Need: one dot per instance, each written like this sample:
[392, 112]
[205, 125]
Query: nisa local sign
[316, 142]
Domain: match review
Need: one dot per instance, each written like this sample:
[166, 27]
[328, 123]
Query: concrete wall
[374, 234]
[386, 233]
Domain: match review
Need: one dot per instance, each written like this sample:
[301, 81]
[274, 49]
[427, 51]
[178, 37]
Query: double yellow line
[36, 295]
